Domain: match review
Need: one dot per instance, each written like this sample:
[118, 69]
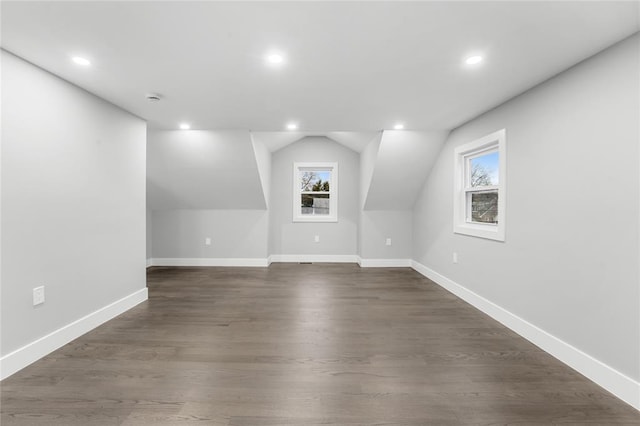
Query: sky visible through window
[489, 163]
[323, 176]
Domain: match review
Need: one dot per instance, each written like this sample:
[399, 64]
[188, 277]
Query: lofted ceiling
[355, 141]
[350, 68]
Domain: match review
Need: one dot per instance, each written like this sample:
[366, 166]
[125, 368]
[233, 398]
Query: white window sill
[489, 231]
[312, 218]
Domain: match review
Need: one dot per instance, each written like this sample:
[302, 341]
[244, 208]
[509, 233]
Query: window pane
[484, 207]
[315, 180]
[314, 204]
[484, 170]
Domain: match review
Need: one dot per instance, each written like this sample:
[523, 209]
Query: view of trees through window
[484, 177]
[479, 191]
[314, 181]
[314, 192]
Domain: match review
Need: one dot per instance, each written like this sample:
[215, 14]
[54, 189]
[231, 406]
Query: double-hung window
[480, 187]
[315, 192]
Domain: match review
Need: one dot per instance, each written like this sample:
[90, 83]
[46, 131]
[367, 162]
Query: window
[315, 192]
[480, 182]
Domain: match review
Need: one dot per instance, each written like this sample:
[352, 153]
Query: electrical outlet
[38, 295]
[388, 242]
[207, 241]
[455, 257]
[317, 239]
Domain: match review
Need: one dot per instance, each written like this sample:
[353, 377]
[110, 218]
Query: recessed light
[292, 126]
[185, 126]
[81, 61]
[275, 58]
[398, 126]
[473, 60]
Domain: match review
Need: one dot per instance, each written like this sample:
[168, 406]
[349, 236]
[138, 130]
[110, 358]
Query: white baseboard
[625, 388]
[281, 258]
[209, 261]
[316, 258]
[384, 263]
[28, 354]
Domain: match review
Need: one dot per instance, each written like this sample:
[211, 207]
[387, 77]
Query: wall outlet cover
[38, 296]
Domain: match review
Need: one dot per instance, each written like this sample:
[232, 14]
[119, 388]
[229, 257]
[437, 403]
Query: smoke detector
[153, 97]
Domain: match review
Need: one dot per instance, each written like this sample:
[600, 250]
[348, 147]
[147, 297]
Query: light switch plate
[38, 295]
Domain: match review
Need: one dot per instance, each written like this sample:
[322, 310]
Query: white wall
[73, 203]
[233, 233]
[402, 163]
[149, 239]
[378, 225]
[393, 167]
[202, 169]
[207, 184]
[263, 161]
[570, 261]
[289, 238]
[368, 158]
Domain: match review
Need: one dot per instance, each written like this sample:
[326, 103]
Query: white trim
[316, 258]
[149, 262]
[333, 192]
[624, 387]
[210, 261]
[30, 353]
[461, 223]
[384, 263]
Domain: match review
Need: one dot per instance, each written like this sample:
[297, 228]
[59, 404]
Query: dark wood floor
[321, 344]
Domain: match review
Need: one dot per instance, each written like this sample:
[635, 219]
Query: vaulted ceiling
[350, 71]
[347, 66]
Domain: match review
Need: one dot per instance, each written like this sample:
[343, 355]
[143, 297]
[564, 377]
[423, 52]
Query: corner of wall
[622, 386]
[20, 358]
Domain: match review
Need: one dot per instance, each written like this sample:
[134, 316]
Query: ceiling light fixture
[81, 61]
[398, 126]
[292, 126]
[473, 60]
[185, 126]
[275, 58]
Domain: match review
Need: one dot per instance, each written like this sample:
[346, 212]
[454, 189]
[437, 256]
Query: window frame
[463, 154]
[331, 167]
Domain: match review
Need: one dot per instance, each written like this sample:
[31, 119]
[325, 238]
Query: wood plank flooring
[320, 344]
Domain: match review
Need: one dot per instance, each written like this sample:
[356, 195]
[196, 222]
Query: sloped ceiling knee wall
[398, 168]
[203, 170]
[231, 170]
